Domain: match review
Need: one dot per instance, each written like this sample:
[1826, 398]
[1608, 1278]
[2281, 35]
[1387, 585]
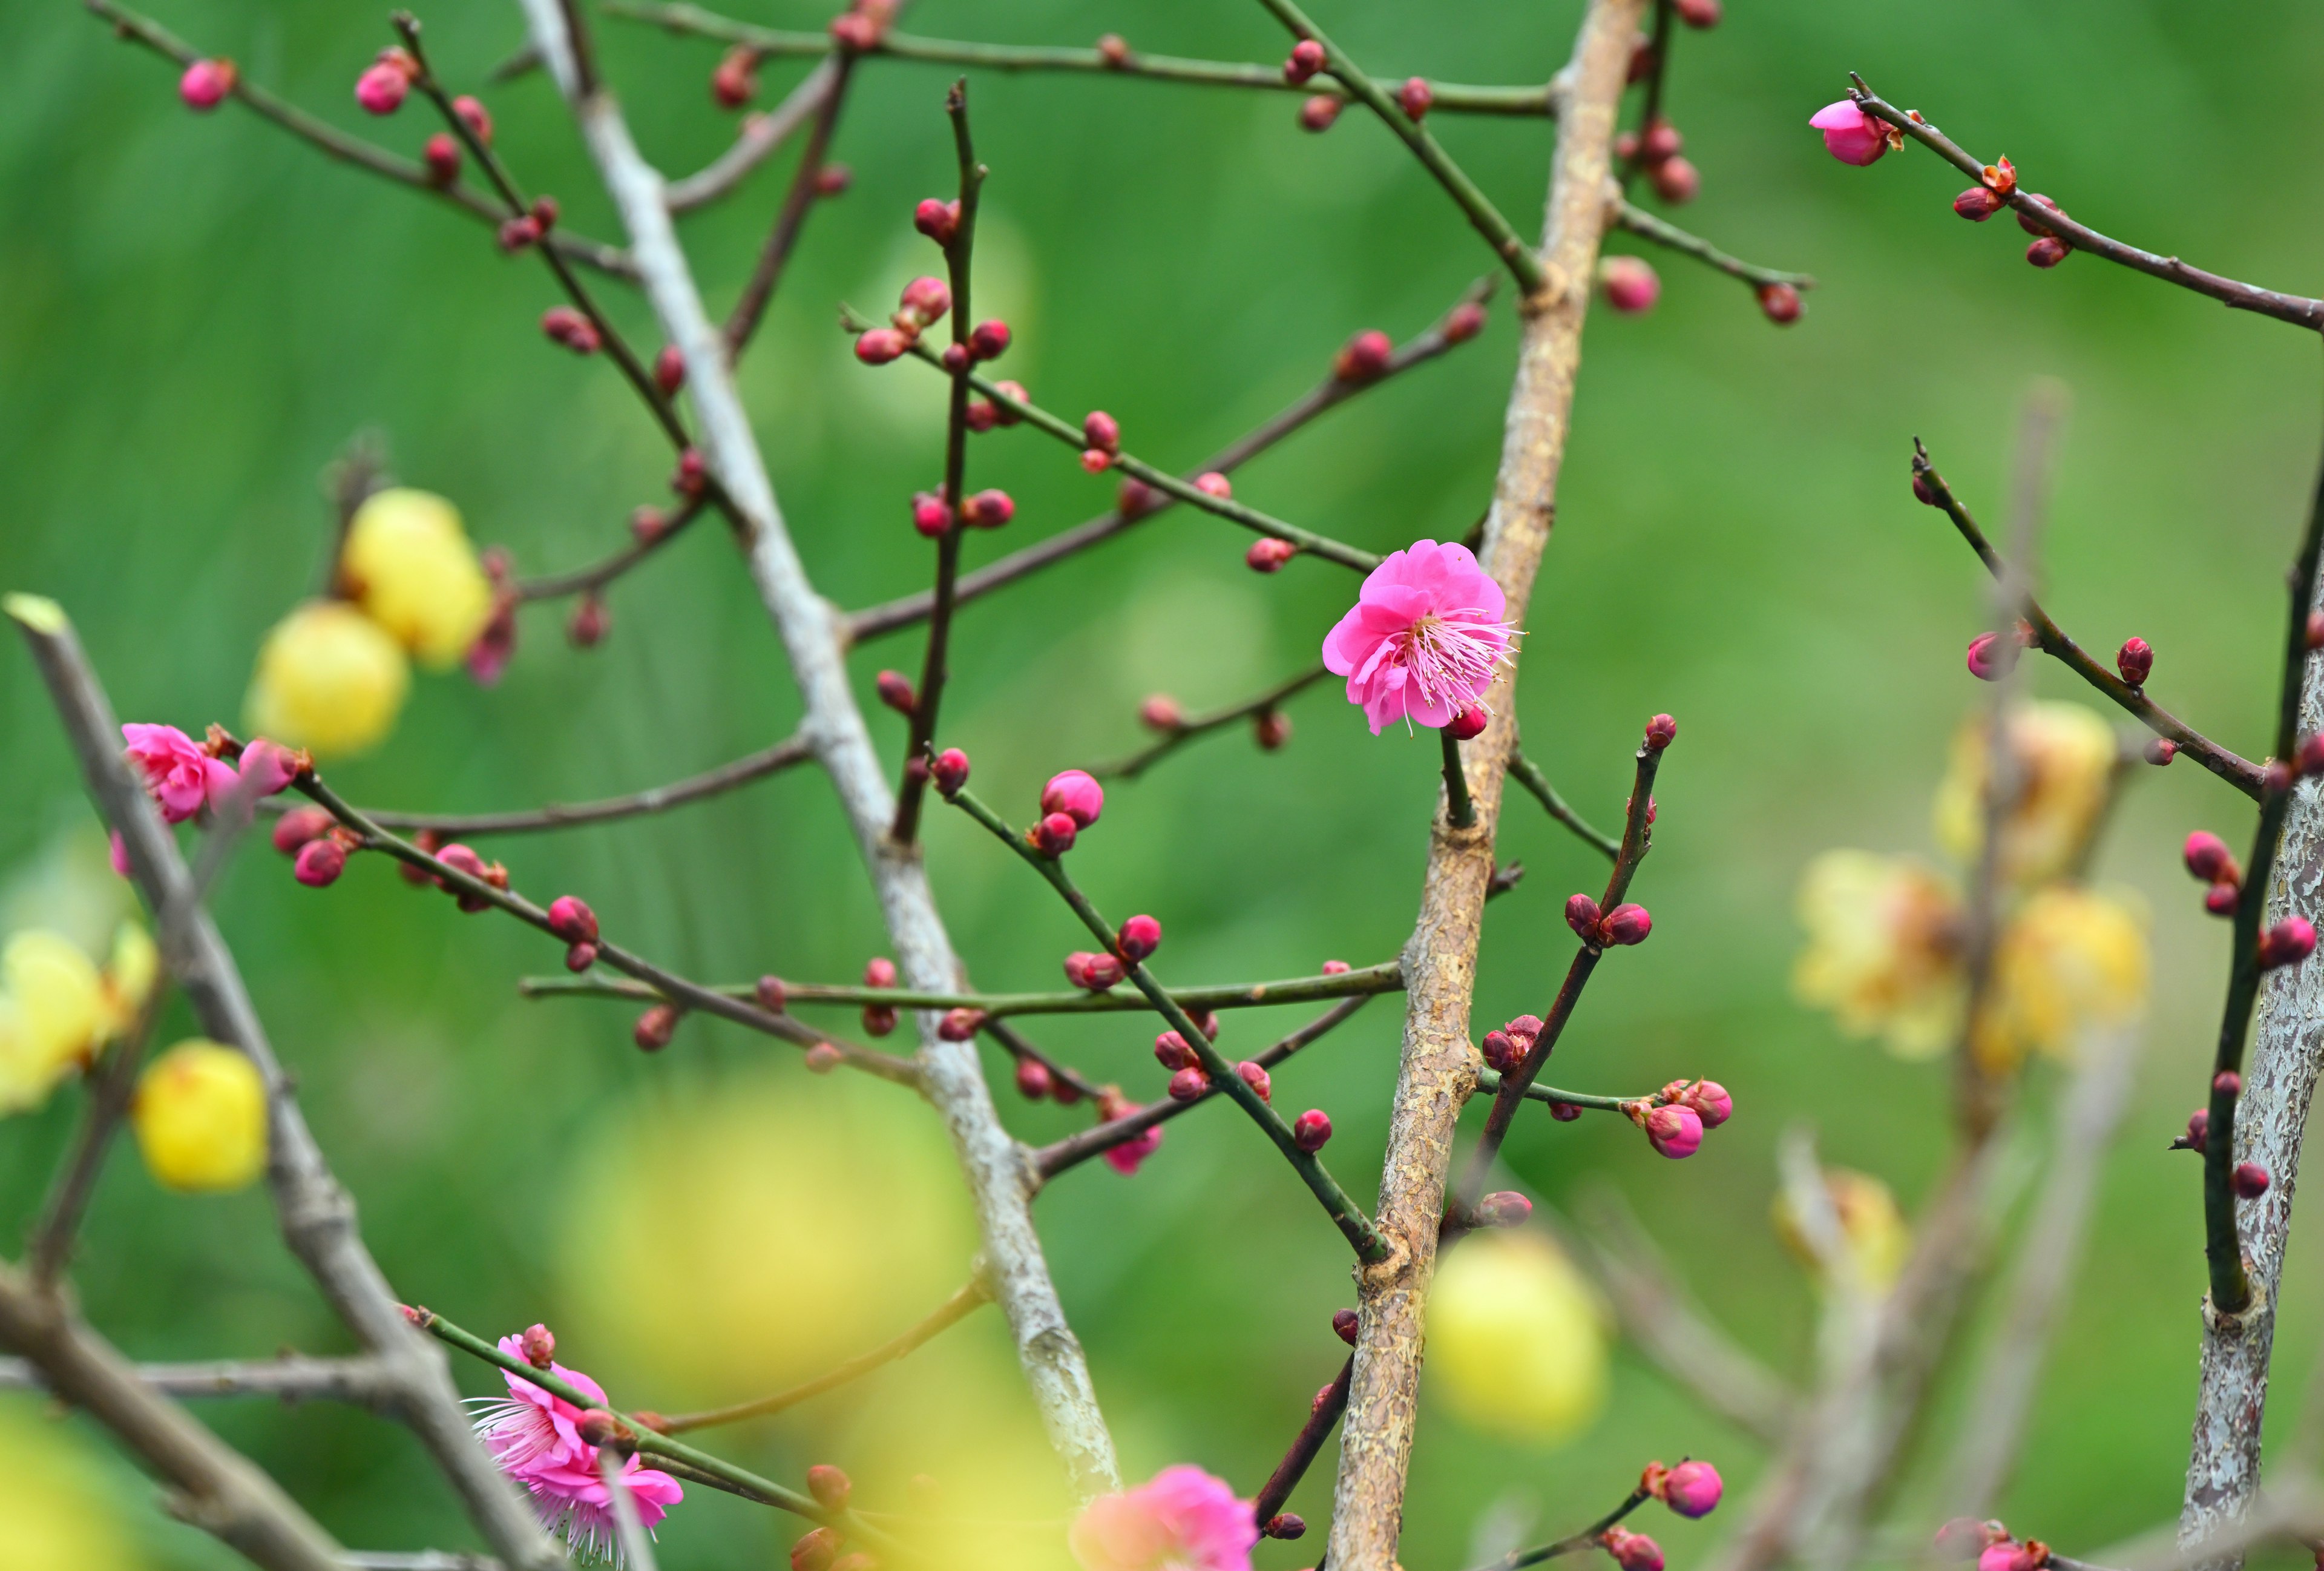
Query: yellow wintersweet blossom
[57, 1511]
[2066, 753]
[2068, 961]
[329, 679]
[57, 1009]
[1515, 1341]
[200, 1118]
[409, 564]
[1871, 1227]
[1883, 949]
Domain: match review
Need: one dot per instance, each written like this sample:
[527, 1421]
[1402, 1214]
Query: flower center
[1451, 660]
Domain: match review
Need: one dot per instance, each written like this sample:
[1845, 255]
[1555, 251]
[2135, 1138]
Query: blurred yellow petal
[1515, 1342]
[2067, 754]
[59, 1000]
[200, 1118]
[1883, 947]
[22, 1082]
[2068, 961]
[1871, 1225]
[409, 564]
[328, 679]
[129, 976]
[54, 1515]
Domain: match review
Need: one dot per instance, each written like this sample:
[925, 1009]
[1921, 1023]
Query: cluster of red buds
[564, 325]
[571, 920]
[1675, 180]
[735, 81]
[863, 24]
[921, 306]
[1996, 186]
[1100, 441]
[1676, 1117]
[1628, 923]
[317, 845]
[527, 227]
[1070, 803]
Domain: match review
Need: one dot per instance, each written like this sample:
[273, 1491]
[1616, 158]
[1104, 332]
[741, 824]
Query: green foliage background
[196, 314]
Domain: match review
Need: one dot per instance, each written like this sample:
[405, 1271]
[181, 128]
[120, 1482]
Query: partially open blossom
[409, 564]
[1517, 1346]
[1423, 638]
[1673, 1131]
[199, 1113]
[180, 777]
[1849, 134]
[1630, 284]
[205, 84]
[536, 1440]
[1872, 1229]
[1074, 793]
[1182, 1519]
[2065, 754]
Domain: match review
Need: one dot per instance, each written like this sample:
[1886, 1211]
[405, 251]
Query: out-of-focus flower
[56, 1513]
[1181, 1520]
[329, 679]
[2069, 960]
[536, 1438]
[57, 1009]
[1423, 639]
[2064, 754]
[1883, 949]
[1871, 1227]
[1515, 1342]
[200, 1118]
[409, 564]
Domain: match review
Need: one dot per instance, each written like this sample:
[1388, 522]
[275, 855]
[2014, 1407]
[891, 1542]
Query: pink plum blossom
[1182, 1519]
[1423, 638]
[182, 777]
[536, 1438]
[1849, 134]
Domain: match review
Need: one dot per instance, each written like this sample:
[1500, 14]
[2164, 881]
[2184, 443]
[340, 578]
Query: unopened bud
[1692, 1489]
[319, 863]
[879, 1019]
[815, 1551]
[516, 234]
[735, 82]
[1283, 1525]
[1978, 204]
[1564, 1111]
[1468, 720]
[938, 220]
[205, 84]
[1055, 835]
[926, 300]
[1344, 1325]
[1112, 49]
[2229, 1082]
[1087, 969]
[895, 691]
[1661, 732]
[571, 920]
[1101, 430]
[1336, 967]
[1415, 96]
[1310, 1130]
[382, 88]
[1364, 358]
[538, 1346]
[771, 995]
[1161, 712]
[1626, 924]
[441, 154]
[1307, 59]
[564, 325]
[989, 340]
[1675, 1132]
[597, 1426]
[1140, 936]
[2134, 660]
[878, 346]
[2198, 1130]
[590, 622]
[655, 1028]
[2159, 750]
[1501, 1052]
[2047, 251]
[1171, 1051]
[1254, 1076]
[1188, 1084]
[1034, 1080]
[988, 509]
[1211, 482]
[949, 770]
[930, 517]
[1632, 1551]
[2221, 898]
[1629, 284]
[2288, 942]
[2249, 1179]
[669, 370]
[1780, 302]
[1270, 728]
[298, 825]
[822, 1058]
[2209, 859]
[833, 179]
[1503, 1208]
[829, 1485]
[1675, 181]
[1268, 554]
[960, 1025]
[1990, 657]
[688, 479]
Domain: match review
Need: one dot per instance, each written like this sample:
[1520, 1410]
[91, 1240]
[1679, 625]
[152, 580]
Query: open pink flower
[1423, 638]
[182, 777]
[536, 1438]
[1849, 134]
[1182, 1519]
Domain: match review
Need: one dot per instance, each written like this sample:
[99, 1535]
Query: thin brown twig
[761, 136]
[363, 1381]
[790, 220]
[1193, 725]
[1330, 1403]
[1016, 1045]
[590, 580]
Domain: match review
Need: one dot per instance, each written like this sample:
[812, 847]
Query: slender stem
[1459, 811]
[1662, 232]
[947, 1313]
[1514, 254]
[363, 1381]
[934, 670]
[1330, 1403]
[761, 136]
[1193, 725]
[1658, 52]
[1572, 1544]
[589, 579]
[1019, 1047]
[629, 1530]
[1051, 1160]
[1384, 977]
[773, 41]
[1528, 774]
[2053, 641]
[2286, 308]
[797, 201]
[1490, 1079]
[1345, 1212]
[1331, 392]
[2222, 1246]
[129, 25]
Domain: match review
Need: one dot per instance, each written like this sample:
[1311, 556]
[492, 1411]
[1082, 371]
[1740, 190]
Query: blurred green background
[196, 314]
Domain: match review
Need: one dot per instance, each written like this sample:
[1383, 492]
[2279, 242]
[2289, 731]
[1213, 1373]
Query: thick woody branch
[2285, 308]
[1439, 1065]
[812, 635]
[317, 1217]
[774, 42]
[1193, 725]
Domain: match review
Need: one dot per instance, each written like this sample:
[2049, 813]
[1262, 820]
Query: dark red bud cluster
[2208, 860]
[1628, 923]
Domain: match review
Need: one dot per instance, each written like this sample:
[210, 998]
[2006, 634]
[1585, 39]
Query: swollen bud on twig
[949, 769]
[1583, 915]
[960, 1025]
[1415, 96]
[1140, 936]
[655, 1028]
[989, 340]
[1161, 712]
[1628, 923]
[1087, 969]
[1629, 284]
[1564, 1111]
[930, 517]
[1469, 721]
[1268, 554]
[688, 479]
[1188, 1084]
[205, 84]
[2134, 660]
[474, 116]
[298, 825]
[1690, 1490]
[2229, 1083]
[735, 81]
[1307, 59]
[988, 509]
[1990, 657]
[1364, 358]
[1074, 793]
[1978, 204]
[589, 622]
[1310, 1130]
[2220, 899]
[829, 1485]
[878, 346]
[1255, 1076]
[1211, 482]
[579, 958]
[1632, 1551]
[816, 1550]
[381, 89]
[1661, 732]
[1034, 1080]
[1698, 13]
[1501, 1052]
[1675, 180]
[571, 920]
[538, 1346]
[2209, 859]
[1675, 1132]
[441, 154]
[771, 995]
[1113, 50]
[1780, 302]
[822, 1058]
[833, 179]
[2288, 942]
[1464, 322]
[923, 304]
[669, 370]
[1503, 1208]
[1053, 836]
[519, 232]
[879, 1019]
[1171, 1051]
[1101, 430]
[2249, 1180]
[938, 220]
[2047, 251]
[1283, 1525]
[2159, 750]
[565, 326]
[895, 691]
[2199, 1131]
[1270, 728]
[1343, 1326]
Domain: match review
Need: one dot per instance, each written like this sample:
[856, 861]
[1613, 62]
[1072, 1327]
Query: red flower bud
[735, 81]
[880, 345]
[2249, 1179]
[1089, 970]
[815, 1551]
[1336, 967]
[822, 1058]
[1140, 936]
[832, 179]
[1978, 204]
[1187, 1084]
[669, 370]
[2288, 942]
[895, 691]
[1465, 321]
[2159, 750]
[1711, 1102]
[1415, 96]
[538, 1346]
[655, 1028]
[1310, 1130]
[474, 116]
[2198, 1131]
[2228, 1081]
[1564, 1111]
[579, 958]
[1211, 482]
[565, 326]
[1661, 732]
[1171, 1051]
[1112, 49]
[1503, 1208]
[1780, 302]
[879, 972]
[1283, 1525]
[930, 517]
[2134, 660]
[1500, 1051]
[950, 770]
[1034, 1080]
[829, 1485]
[1160, 712]
[2220, 899]
[516, 234]
[589, 622]
[1626, 924]
[1270, 728]
[2047, 251]
[926, 300]
[2209, 859]
[1583, 915]
[1053, 834]
[1268, 554]
[1675, 1132]
[441, 154]
[1101, 430]
[1096, 460]
[989, 340]
[1990, 657]
[1629, 283]
[960, 1025]
[1255, 1076]
[544, 211]
[939, 220]
[571, 920]
[1675, 180]
[1307, 59]
[1632, 1551]
[1136, 499]
[1364, 358]
[1343, 1326]
[298, 825]
[2026, 222]
[988, 509]
[1692, 1489]
[688, 479]
[319, 863]
[771, 995]
[879, 1019]
[205, 84]
[1699, 14]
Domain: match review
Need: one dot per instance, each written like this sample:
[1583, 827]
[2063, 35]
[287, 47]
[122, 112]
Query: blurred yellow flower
[1515, 1341]
[56, 1009]
[406, 562]
[129, 972]
[200, 1118]
[2068, 961]
[328, 679]
[2066, 753]
[1871, 1226]
[53, 1516]
[1883, 952]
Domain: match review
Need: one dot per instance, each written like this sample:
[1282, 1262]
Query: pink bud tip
[669, 370]
[829, 1485]
[1583, 915]
[1211, 482]
[1711, 1102]
[688, 479]
[474, 116]
[571, 920]
[1140, 936]
[1188, 1084]
[2134, 660]
[1307, 59]
[735, 81]
[1161, 712]
[2288, 942]
[1283, 1525]
[1626, 924]
[1699, 14]
[1780, 302]
[564, 325]
[1503, 1208]
[1096, 460]
[1990, 657]
[205, 84]
[267, 767]
[1632, 1551]
[1255, 1076]
[2220, 899]
[2006, 1556]
[1310, 1130]
[2228, 1081]
[1849, 134]
[1114, 49]
[1171, 1051]
[1661, 732]
[1075, 794]
[1343, 1326]
[2160, 751]
[319, 863]
[1336, 967]
[1101, 430]
[2047, 251]
[879, 972]
[1468, 720]
[538, 1346]
[895, 691]
[1675, 180]
[988, 509]
[1978, 204]
[816, 1550]
[298, 825]
[655, 1028]
[930, 517]
[1136, 499]
[2198, 1128]
[822, 1058]
[1466, 320]
[1034, 1081]
[1364, 358]
[1675, 1132]
[926, 299]
[1415, 96]
[1629, 284]
[381, 89]
[960, 1025]
[1055, 834]
[2250, 1181]
[950, 770]
[1268, 554]
[1094, 971]
[1692, 1489]
[880, 345]
[441, 154]
[938, 220]
[2208, 858]
[989, 340]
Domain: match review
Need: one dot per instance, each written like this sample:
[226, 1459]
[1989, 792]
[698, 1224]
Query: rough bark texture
[999, 1181]
[1438, 1069]
[2279, 1081]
